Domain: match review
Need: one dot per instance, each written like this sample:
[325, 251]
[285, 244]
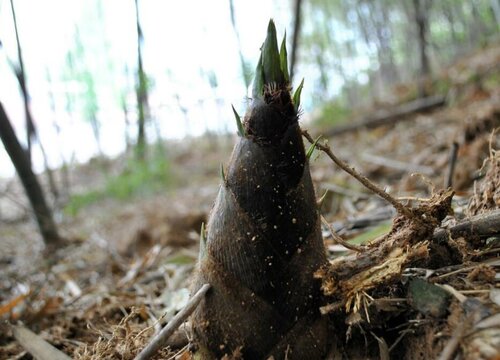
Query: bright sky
[182, 40]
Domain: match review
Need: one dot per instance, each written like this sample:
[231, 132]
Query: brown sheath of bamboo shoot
[264, 244]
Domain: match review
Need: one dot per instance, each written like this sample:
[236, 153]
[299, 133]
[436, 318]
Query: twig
[388, 116]
[486, 252]
[453, 162]
[184, 348]
[337, 239]
[413, 198]
[366, 220]
[491, 262]
[450, 289]
[482, 225]
[398, 165]
[36, 345]
[170, 328]
[452, 345]
[400, 337]
[479, 291]
[343, 191]
[402, 209]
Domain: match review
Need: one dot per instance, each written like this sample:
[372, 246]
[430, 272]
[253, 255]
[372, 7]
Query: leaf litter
[121, 280]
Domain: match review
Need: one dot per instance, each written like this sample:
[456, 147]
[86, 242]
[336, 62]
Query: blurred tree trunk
[450, 18]
[363, 27]
[31, 133]
[123, 103]
[30, 183]
[376, 31]
[476, 31]
[323, 75]
[20, 74]
[410, 52]
[495, 9]
[422, 22]
[94, 124]
[296, 34]
[141, 92]
[462, 20]
[384, 39]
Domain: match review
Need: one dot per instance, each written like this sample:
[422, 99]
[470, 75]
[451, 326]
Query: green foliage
[90, 106]
[312, 147]
[212, 79]
[492, 81]
[272, 66]
[239, 125]
[296, 95]
[80, 201]
[442, 86]
[88, 78]
[139, 178]
[343, 39]
[372, 234]
[258, 82]
[247, 71]
[180, 259]
[284, 59]
[76, 69]
[332, 113]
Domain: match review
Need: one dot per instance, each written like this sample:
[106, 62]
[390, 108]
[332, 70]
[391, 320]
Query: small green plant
[79, 201]
[138, 178]
[442, 86]
[333, 113]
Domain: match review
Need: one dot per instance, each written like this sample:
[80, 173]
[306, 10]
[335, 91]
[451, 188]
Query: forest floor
[127, 266]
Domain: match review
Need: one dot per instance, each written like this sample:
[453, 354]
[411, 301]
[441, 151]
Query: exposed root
[487, 193]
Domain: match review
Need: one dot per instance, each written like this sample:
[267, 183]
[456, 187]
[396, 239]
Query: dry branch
[338, 240]
[453, 161]
[362, 221]
[486, 224]
[36, 345]
[398, 165]
[402, 209]
[388, 116]
[162, 337]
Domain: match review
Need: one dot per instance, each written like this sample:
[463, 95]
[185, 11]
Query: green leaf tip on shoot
[239, 125]
[271, 64]
[296, 95]
[203, 242]
[222, 174]
[312, 147]
[284, 59]
[272, 67]
[321, 200]
[258, 81]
